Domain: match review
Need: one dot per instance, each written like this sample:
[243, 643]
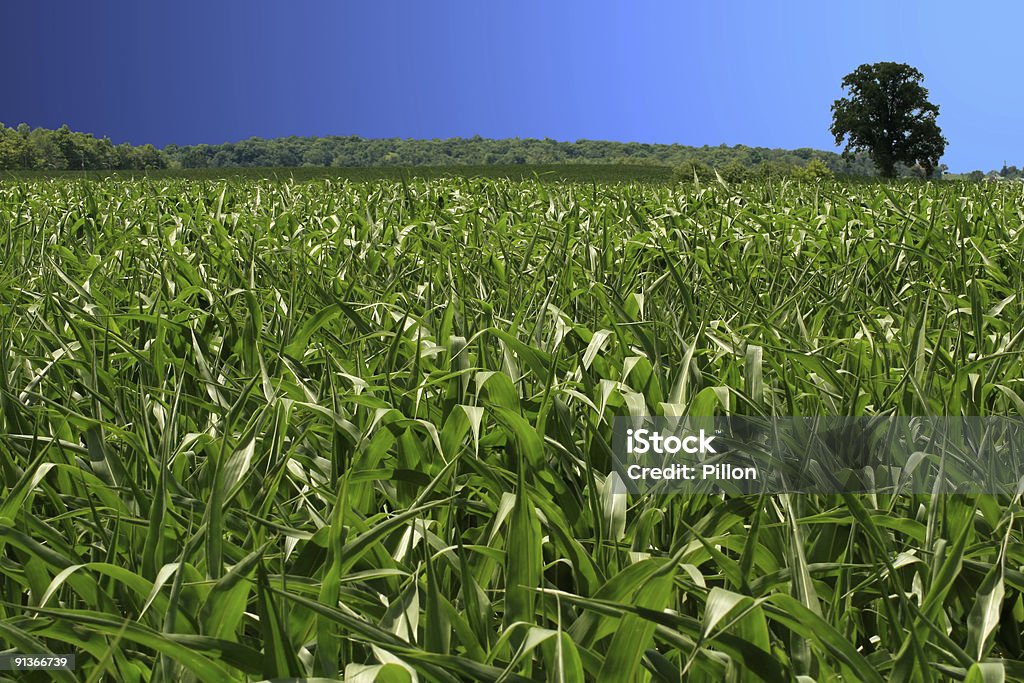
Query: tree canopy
[64, 149]
[887, 115]
[25, 148]
[352, 151]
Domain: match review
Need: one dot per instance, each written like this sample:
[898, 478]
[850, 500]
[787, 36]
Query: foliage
[590, 173]
[355, 151]
[887, 114]
[63, 149]
[58, 150]
[735, 172]
[1011, 172]
[52, 151]
[261, 430]
[768, 170]
[689, 171]
[814, 170]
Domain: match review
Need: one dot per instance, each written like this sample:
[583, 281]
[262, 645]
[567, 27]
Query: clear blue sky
[754, 73]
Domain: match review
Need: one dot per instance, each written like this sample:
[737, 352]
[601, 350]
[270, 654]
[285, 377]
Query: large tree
[886, 113]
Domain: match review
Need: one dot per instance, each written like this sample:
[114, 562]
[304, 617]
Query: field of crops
[257, 429]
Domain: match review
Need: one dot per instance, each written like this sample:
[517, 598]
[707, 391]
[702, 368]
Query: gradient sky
[753, 73]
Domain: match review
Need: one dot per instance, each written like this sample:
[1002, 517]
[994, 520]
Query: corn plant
[264, 429]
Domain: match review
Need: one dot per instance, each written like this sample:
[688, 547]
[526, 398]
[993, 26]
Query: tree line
[28, 148]
[63, 149]
[25, 148]
[353, 151]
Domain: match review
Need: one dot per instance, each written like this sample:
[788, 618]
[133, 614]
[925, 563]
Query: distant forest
[64, 149]
[477, 151]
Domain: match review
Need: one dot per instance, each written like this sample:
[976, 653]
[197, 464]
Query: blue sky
[754, 73]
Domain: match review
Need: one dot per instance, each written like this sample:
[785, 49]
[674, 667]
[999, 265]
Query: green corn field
[332, 430]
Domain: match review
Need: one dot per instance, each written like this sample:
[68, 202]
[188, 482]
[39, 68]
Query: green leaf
[280, 659]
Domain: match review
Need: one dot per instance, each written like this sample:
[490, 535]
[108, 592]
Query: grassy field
[255, 429]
